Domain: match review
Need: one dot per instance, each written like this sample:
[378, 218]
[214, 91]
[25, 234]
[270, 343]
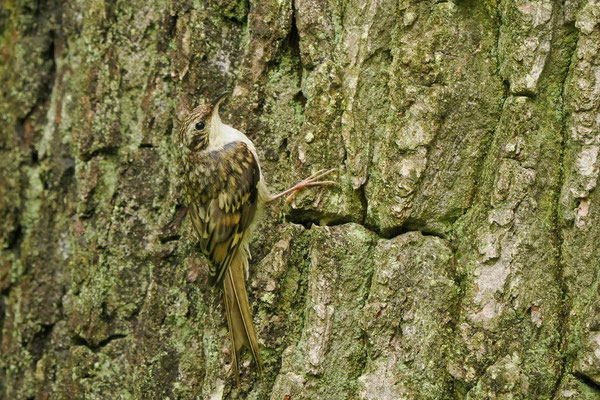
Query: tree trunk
[456, 258]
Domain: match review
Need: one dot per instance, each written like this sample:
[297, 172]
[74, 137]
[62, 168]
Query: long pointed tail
[239, 318]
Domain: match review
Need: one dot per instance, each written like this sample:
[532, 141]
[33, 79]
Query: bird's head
[202, 123]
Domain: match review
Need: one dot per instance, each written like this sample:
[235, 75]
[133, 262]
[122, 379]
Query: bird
[225, 186]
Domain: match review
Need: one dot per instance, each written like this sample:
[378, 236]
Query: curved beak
[220, 99]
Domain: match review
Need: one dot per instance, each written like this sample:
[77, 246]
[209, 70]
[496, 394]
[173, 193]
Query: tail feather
[239, 318]
[228, 310]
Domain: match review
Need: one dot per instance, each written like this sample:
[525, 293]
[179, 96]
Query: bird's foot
[312, 180]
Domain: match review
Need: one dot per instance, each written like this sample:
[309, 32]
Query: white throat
[221, 134]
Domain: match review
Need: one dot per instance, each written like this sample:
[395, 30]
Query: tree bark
[457, 258]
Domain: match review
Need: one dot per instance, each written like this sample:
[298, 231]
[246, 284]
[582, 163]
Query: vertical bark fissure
[505, 96]
[559, 239]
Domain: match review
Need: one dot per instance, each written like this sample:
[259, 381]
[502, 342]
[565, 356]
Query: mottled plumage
[224, 187]
[223, 202]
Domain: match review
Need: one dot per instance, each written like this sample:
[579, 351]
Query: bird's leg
[308, 182]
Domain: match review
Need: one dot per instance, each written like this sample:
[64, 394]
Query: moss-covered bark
[456, 259]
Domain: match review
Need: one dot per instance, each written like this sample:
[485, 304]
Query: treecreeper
[225, 186]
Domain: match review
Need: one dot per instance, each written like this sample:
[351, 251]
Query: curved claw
[320, 173]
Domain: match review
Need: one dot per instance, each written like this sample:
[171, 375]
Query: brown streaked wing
[223, 219]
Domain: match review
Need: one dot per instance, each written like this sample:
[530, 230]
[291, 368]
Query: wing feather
[224, 203]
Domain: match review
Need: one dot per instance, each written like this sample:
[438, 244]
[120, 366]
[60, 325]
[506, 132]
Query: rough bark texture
[457, 258]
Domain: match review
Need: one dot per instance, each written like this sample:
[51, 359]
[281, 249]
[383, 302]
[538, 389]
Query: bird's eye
[199, 125]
